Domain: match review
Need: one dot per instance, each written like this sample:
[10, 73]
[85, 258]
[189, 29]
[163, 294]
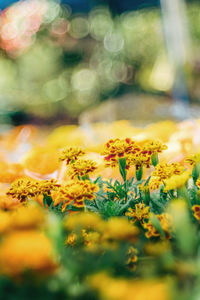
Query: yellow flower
[162, 172]
[126, 289]
[46, 186]
[196, 211]
[118, 148]
[140, 159]
[120, 229]
[71, 239]
[75, 191]
[132, 258]
[81, 167]
[140, 213]
[24, 188]
[176, 181]
[70, 154]
[9, 203]
[198, 183]
[26, 250]
[153, 147]
[28, 217]
[85, 220]
[193, 159]
[91, 240]
[158, 248]
[165, 222]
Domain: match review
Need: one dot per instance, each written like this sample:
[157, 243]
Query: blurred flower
[165, 223]
[193, 159]
[177, 181]
[26, 250]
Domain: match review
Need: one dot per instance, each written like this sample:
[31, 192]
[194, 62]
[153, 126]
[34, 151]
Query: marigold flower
[70, 154]
[198, 183]
[28, 217]
[118, 148]
[132, 258]
[46, 186]
[153, 147]
[85, 220]
[82, 167]
[24, 188]
[71, 239]
[120, 229]
[196, 211]
[140, 159]
[193, 159]
[76, 192]
[125, 289]
[26, 250]
[164, 171]
[140, 213]
[165, 222]
[176, 181]
[158, 248]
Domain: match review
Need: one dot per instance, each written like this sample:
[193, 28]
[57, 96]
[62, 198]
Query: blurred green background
[55, 64]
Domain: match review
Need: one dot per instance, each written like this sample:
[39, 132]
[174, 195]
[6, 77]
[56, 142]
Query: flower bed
[106, 218]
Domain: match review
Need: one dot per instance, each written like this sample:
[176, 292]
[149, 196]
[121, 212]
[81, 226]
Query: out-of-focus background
[82, 61]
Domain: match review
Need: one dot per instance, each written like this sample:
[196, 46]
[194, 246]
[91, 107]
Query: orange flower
[26, 250]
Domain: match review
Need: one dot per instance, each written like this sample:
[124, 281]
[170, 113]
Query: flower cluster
[164, 171]
[24, 188]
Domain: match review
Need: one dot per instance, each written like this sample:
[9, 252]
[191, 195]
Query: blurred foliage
[54, 62]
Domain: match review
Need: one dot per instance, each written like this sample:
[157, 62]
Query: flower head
[193, 159]
[164, 171]
[118, 148]
[140, 159]
[176, 181]
[120, 229]
[71, 154]
[81, 167]
[24, 188]
[26, 250]
[140, 213]
[75, 191]
[165, 222]
[196, 211]
[153, 147]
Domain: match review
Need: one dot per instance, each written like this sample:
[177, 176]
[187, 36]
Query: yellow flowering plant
[85, 223]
